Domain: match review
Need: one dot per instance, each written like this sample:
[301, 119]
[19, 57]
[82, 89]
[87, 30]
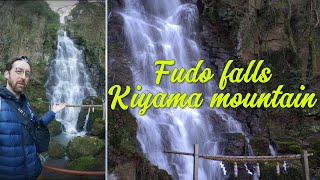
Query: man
[18, 154]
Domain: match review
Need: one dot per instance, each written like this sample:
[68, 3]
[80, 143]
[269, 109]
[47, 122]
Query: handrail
[84, 106]
[67, 171]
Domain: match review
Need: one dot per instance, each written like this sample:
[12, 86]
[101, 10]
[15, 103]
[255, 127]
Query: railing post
[104, 111]
[195, 162]
[305, 163]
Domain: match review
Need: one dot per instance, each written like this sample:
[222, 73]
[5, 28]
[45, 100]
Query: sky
[63, 8]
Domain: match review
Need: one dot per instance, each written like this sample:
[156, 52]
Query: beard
[17, 87]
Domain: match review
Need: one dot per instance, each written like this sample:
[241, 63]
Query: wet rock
[126, 171]
[234, 144]
[287, 146]
[98, 128]
[260, 145]
[84, 146]
[56, 150]
[85, 163]
[54, 128]
[94, 113]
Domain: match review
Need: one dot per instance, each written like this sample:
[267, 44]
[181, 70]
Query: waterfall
[160, 29]
[68, 81]
[272, 151]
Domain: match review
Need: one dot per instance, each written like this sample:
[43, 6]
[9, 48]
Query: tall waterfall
[68, 81]
[161, 29]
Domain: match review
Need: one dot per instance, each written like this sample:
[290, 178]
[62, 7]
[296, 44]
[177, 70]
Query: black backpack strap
[23, 116]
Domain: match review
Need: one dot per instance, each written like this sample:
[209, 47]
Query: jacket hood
[5, 93]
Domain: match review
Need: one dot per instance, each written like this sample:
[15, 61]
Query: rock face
[234, 144]
[95, 115]
[283, 33]
[27, 28]
[87, 28]
[260, 145]
[119, 59]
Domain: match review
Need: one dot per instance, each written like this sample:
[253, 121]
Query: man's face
[18, 77]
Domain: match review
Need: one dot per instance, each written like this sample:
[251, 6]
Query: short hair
[8, 66]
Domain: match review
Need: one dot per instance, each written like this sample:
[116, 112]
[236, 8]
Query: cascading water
[68, 82]
[159, 29]
[272, 151]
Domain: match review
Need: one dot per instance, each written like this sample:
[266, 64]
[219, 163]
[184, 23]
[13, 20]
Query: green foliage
[315, 145]
[29, 27]
[288, 147]
[122, 131]
[268, 172]
[88, 27]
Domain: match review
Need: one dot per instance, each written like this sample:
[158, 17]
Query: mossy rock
[94, 113]
[163, 175]
[81, 119]
[85, 163]
[93, 100]
[260, 145]
[56, 150]
[288, 147]
[234, 143]
[98, 128]
[293, 133]
[84, 146]
[55, 128]
[122, 128]
[294, 149]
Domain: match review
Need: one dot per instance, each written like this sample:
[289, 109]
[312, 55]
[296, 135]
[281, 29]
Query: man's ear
[6, 74]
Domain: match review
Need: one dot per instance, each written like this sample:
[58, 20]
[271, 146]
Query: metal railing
[75, 172]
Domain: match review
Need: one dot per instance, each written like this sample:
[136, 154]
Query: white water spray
[68, 81]
[159, 29]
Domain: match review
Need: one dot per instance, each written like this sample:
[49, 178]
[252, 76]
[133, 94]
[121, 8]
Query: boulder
[54, 128]
[85, 163]
[288, 147]
[84, 146]
[98, 128]
[260, 145]
[94, 113]
[56, 150]
[234, 144]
